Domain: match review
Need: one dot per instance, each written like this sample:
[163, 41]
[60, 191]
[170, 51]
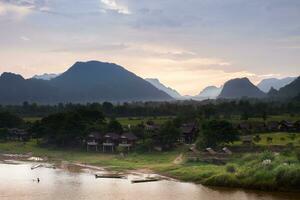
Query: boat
[145, 180]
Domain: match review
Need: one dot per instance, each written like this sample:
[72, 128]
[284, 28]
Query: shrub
[269, 139]
[267, 155]
[288, 176]
[230, 168]
[298, 155]
[222, 180]
[257, 138]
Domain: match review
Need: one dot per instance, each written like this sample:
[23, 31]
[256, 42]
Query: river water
[19, 181]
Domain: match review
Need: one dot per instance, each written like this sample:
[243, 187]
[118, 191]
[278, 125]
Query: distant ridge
[266, 84]
[170, 91]
[46, 76]
[210, 92]
[239, 88]
[289, 91]
[83, 82]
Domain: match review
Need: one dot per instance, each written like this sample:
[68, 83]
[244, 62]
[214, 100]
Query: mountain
[291, 90]
[240, 87]
[266, 84]
[45, 76]
[156, 83]
[83, 82]
[210, 92]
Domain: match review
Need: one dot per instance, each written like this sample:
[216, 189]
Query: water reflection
[19, 182]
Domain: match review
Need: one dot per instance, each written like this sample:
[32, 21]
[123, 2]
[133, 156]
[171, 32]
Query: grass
[133, 121]
[237, 118]
[242, 170]
[125, 121]
[278, 138]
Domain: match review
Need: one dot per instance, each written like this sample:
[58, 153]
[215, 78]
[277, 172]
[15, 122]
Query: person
[38, 180]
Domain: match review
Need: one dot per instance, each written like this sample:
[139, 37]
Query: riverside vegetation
[59, 135]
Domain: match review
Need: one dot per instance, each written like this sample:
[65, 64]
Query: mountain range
[83, 82]
[266, 84]
[95, 81]
[170, 91]
[239, 88]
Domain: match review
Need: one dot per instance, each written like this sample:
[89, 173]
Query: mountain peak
[11, 76]
[240, 87]
[170, 91]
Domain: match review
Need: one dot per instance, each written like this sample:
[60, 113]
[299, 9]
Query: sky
[186, 44]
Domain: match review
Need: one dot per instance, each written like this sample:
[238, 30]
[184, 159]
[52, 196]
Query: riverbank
[263, 171]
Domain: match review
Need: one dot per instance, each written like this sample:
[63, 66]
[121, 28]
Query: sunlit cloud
[115, 6]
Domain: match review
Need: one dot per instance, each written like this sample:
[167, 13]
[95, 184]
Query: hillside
[239, 88]
[83, 82]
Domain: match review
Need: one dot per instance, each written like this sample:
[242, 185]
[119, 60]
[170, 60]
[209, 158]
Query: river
[19, 181]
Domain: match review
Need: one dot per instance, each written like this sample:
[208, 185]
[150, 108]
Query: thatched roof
[113, 136]
[129, 136]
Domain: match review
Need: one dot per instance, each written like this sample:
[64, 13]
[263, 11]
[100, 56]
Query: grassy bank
[246, 171]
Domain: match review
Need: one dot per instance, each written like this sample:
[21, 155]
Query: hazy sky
[187, 44]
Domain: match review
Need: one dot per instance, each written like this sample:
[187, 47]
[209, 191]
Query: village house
[189, 132]
[93, 140]
[18, 134]
[247, 140]
[244, 127]
[258, 127]
[286, 126]
[127, 140]
[297, 125]
[110, 142]
[273, 126]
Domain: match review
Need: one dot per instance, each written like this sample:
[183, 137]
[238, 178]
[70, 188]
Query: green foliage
[114, 126]
[168, 135]
[9, 120]
[267, 155]
[3, 134]
[288, 176]
[67, 128]
[256, 138]
[230, 168]
[216, 132]
[298, 155]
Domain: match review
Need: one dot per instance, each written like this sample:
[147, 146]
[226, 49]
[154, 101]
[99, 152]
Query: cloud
[114, 6]
[24, 38]
[20, 8]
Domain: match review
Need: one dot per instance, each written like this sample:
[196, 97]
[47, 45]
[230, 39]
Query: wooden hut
[273, 126]
[189, 132]
[297, 125]
[258, 127]
[127, 140]
[93, 140]
[18, 134]
[247, 140]
[110, 141]
[286, 126]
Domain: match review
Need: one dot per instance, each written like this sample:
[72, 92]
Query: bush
[223, 180]
[288, 176]
[298, 155]
[230, 168]
[257, 138]
[267, 155]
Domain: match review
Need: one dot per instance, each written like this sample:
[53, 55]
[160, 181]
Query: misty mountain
[240, 87]
[210, 92]
[45, 76]
[83, 82]
[266, 84]
[156, 83]
[291, 90]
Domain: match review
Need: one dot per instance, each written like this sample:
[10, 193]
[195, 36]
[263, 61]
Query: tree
[168, 135]
[215, 133]
[9, 120]
[114, 126]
